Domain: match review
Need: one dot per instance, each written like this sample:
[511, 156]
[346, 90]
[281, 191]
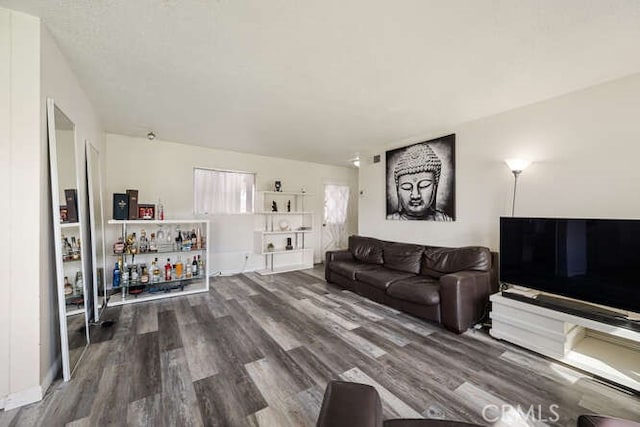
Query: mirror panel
[96, 217]
[68, 238]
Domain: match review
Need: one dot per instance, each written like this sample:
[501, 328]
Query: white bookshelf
[290, 221]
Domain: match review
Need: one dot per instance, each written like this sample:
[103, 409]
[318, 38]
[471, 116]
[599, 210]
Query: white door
[334, 223]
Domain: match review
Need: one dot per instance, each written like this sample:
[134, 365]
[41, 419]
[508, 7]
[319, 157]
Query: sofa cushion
[403, 257]
[366, 249]
[420, 290]
[437, 262]
[381, 277]
[349, 268]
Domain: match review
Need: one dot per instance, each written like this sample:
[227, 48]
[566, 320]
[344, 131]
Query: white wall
[19, 186]
[5, 175]
[164, 170]
[585, 146]
[28, 310]
[60, 83]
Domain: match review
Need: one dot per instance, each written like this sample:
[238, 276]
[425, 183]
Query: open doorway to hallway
[334, 222]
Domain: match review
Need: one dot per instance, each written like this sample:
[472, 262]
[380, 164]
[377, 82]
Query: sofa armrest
[341, 255]
[348, 404]
[463, 298]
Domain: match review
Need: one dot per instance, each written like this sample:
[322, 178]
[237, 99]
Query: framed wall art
[420, 181]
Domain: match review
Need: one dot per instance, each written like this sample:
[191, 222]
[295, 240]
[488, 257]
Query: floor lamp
[516, 166]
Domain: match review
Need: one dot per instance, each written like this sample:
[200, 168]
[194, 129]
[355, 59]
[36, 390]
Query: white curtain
[336, 202]
[218, 192]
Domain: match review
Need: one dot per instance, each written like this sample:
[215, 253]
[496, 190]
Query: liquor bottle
[156, 271]
[187, 273]
[66, 249]
[144, 274]
[135, 274]
[194, 239]
[201, 269]
[125, 275]
[68, 289]
[134, 244]
[179, 241]
[198, 239]
[143, 244]
[167, 270]
[179, 267]
[118, 247]
[153, 243]
[194, 266]
[116, 276]
[79, 286]
[160, 210]
[75, 248]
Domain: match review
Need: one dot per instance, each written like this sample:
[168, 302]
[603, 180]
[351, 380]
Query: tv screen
[594, 260]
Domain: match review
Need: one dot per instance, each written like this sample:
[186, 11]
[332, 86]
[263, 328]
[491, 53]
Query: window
[223, 192]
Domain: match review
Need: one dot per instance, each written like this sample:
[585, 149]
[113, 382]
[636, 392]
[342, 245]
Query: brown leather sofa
[347, 404]
[602, 421]
[450, 286]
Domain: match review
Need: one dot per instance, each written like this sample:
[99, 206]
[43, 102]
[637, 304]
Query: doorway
[334, 222]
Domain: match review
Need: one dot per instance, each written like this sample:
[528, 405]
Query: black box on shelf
[133, 204]
[120, 206]
[71, 195]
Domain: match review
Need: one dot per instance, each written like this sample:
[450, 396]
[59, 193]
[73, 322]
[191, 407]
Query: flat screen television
[594, 260]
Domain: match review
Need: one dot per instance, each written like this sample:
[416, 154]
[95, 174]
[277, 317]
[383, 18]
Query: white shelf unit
[64, 225]
[163, 288]
[608, 351]
[296, 224]
[71, 268]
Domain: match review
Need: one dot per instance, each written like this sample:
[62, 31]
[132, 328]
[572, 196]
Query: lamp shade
[517, 164]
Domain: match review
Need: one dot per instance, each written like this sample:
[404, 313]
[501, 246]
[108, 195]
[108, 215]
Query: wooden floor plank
[170, 338]
[146, 412]
[180, 405]
[393, 406]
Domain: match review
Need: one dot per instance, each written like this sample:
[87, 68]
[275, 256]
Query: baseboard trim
[51, 374]
[33, 394]
[24, 397]
[234, 272]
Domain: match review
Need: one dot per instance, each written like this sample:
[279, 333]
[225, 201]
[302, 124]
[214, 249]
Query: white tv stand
[605, 350]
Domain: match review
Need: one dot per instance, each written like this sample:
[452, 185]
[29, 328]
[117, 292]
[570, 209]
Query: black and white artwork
[421, 181]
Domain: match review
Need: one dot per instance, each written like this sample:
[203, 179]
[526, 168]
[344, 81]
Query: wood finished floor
[258, 351]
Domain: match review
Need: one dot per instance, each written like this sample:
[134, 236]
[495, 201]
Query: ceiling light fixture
[151, 136]
[356, 162]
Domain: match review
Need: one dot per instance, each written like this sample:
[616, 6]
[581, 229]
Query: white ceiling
[322, 80]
